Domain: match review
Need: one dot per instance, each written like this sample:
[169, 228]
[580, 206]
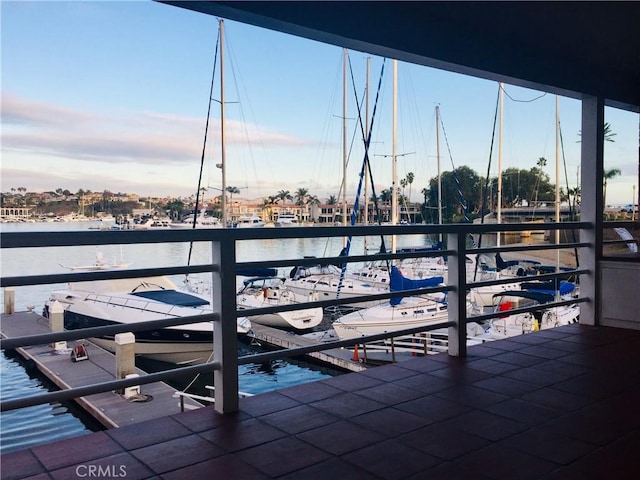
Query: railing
[223, 267]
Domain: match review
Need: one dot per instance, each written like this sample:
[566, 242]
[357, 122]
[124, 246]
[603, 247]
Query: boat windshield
[172, 297]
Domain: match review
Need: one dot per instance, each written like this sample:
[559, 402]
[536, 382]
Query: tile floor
[560, 404]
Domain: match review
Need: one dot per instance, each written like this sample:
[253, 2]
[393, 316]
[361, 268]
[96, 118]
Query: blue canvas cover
[398, 283]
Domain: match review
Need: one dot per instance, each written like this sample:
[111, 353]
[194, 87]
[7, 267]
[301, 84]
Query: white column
[591, 206]
[457, 298]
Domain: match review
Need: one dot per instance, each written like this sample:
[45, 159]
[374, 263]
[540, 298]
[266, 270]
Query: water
[44, 423]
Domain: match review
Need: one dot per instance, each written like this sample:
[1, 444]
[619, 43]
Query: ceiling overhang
[574, 49]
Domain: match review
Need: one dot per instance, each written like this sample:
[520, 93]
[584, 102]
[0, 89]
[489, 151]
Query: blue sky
[114, 95]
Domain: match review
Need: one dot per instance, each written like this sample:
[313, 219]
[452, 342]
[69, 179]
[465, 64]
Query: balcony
[555, 404]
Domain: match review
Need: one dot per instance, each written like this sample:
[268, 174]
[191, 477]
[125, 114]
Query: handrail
[229, 237]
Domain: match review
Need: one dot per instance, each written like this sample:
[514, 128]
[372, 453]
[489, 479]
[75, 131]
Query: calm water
[45, 423]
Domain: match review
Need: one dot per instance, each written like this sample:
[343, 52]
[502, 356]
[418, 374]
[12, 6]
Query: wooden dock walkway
[337, 357]
[108, 408]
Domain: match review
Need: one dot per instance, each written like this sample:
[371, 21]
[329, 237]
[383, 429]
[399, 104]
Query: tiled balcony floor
[559, 404]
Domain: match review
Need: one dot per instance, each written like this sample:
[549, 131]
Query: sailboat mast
[499, 206]
[438, 162]
[222, 128]
[344, 141]
[394, 156]
[557, 180]
[366, 134]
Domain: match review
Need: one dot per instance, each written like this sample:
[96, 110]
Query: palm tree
[608, 134]
[332, 200]
[608, 175]
[284, 195]
[301, 194]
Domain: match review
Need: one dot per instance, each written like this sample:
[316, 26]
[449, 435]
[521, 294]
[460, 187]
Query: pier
[335, 357]
[156, 400]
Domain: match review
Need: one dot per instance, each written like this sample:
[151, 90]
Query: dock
[336, 357]
[109, 408]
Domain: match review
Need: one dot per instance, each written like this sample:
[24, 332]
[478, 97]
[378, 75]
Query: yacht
[132, 300]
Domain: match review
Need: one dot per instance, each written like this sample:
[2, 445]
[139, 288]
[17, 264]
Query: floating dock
[337, 357]
[109, 408]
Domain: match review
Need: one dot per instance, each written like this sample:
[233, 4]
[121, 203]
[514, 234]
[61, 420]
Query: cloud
[121, 137]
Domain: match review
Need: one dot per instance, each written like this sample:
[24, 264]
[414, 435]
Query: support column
[457, 298]
[56, 323]
[225, 337]
[591, 206]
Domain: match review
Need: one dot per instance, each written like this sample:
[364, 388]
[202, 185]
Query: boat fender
[79, 353]
[265, 292]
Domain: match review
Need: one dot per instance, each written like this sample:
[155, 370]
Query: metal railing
[223, 267]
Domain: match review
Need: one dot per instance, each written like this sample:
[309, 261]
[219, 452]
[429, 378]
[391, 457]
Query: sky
[113, 95]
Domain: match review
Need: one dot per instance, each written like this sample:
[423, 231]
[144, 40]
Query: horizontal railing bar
[527, 278]
[528, 247]
[91, 332]
[248, 312]
[72, 393]
[84, 238]
[294, 352]
[337, 260]
[535, 308]
[104, 275]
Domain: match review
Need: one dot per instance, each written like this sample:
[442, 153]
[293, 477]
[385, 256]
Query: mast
[499, 207]
[366, 135]
[438, 162]
[344, 141]
[222, 129]
[394, 156]
[557, 181]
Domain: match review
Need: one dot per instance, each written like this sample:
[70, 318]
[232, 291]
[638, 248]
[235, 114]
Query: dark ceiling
[569, 48]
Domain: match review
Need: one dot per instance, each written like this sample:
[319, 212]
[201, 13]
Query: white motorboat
[202, 221]
[262, 292]
[286, 220]
[249, 221]
[121, 301]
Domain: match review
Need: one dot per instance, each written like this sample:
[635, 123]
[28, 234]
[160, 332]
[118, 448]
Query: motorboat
[133, 300]
[249, 221]
[287, 220]
[262, 292]
[201, 221]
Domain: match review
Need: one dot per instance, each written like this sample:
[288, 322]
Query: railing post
[457, 298]
[225, 338]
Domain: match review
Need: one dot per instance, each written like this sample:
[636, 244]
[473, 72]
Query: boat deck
[561, 403]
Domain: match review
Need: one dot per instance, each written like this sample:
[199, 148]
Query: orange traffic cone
[356, 357]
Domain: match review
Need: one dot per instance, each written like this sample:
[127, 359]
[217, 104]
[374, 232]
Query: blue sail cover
[550, 287]
[399, 282]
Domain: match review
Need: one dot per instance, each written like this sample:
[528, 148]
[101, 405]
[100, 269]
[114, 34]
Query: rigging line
[571, 210]
[204, 145]
[487, 181]
[365, 162]
[523, 101]
[463, 202]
